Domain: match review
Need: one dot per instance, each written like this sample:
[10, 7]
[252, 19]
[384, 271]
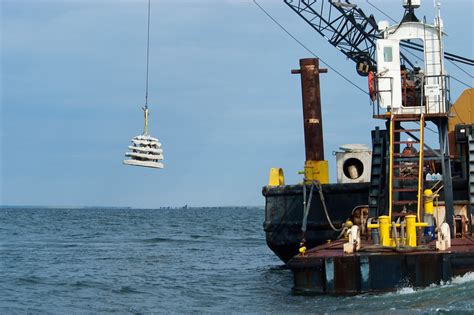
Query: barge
[408, 210]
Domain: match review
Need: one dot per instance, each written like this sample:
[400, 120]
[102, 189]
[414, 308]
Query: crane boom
[343, 25]
[351, 31]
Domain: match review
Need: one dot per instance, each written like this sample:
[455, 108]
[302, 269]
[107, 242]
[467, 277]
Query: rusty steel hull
[284, 214]
[327, 270]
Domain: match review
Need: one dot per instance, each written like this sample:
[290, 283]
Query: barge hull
[326, 270]
[284, 215]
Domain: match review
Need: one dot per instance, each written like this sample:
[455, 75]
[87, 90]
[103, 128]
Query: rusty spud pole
[313, 123]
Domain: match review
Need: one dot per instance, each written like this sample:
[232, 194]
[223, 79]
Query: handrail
[390, 174]
[420, 167]
[444, 97]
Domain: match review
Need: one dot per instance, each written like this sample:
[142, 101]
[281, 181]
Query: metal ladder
[433, 56]
[405, 170]
[378, 173]
[471, 173]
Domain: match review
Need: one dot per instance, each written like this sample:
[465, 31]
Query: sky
[222, 100]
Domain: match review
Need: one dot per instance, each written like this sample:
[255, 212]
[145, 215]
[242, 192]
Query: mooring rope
[307, 205]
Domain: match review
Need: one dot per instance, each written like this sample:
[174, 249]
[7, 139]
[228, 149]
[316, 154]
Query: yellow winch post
[316, 171]
[428, 201]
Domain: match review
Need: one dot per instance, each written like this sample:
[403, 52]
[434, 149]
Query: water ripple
[70, 261]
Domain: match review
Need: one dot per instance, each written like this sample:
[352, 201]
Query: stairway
[471, 171]
[377, 200]
[433, 67]
[405, 168]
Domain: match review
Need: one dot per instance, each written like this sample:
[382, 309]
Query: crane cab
[416, 88]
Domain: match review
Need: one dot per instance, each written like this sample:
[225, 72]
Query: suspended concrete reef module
[145, 150]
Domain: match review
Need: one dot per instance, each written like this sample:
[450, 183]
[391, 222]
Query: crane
[404, 95]
[354, 33]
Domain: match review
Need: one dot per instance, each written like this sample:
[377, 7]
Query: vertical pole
[390, 169]
[419, 205]
[446, 170]
[313, 123]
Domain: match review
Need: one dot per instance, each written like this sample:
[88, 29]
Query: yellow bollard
[384, 228]
[411, 230]
[428, 202]
[411, 225]
[276, 177]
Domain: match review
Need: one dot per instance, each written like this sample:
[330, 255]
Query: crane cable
[381, 11]
[307, 49]
[147, 56]
[451, 76]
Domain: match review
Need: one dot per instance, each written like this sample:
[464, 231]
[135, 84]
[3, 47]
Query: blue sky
[223, 101]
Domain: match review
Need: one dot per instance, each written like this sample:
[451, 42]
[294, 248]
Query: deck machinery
[416, 224]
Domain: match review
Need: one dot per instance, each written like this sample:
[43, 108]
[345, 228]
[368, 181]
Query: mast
[316, 168]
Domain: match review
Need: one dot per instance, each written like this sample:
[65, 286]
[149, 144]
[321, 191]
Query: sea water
[136, 261]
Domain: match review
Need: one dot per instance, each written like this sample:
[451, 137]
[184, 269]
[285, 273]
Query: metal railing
[376, 104]
[427, 103]
[444, 97]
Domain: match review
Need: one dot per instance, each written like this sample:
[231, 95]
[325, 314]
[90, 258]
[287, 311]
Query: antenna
[437, 7]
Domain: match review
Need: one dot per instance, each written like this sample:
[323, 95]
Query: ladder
[433, 56]
[405, 169]
[471, 173]
[378, 173]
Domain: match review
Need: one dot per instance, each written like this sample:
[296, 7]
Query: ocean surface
[206, 260]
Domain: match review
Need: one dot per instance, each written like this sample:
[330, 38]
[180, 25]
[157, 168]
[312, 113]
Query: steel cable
[147, 55]
[307, 49]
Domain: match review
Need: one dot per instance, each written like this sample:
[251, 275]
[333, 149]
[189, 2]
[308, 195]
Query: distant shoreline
[131, 208]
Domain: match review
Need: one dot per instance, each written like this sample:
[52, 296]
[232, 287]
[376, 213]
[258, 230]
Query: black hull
[328, 270]
[284, 214]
